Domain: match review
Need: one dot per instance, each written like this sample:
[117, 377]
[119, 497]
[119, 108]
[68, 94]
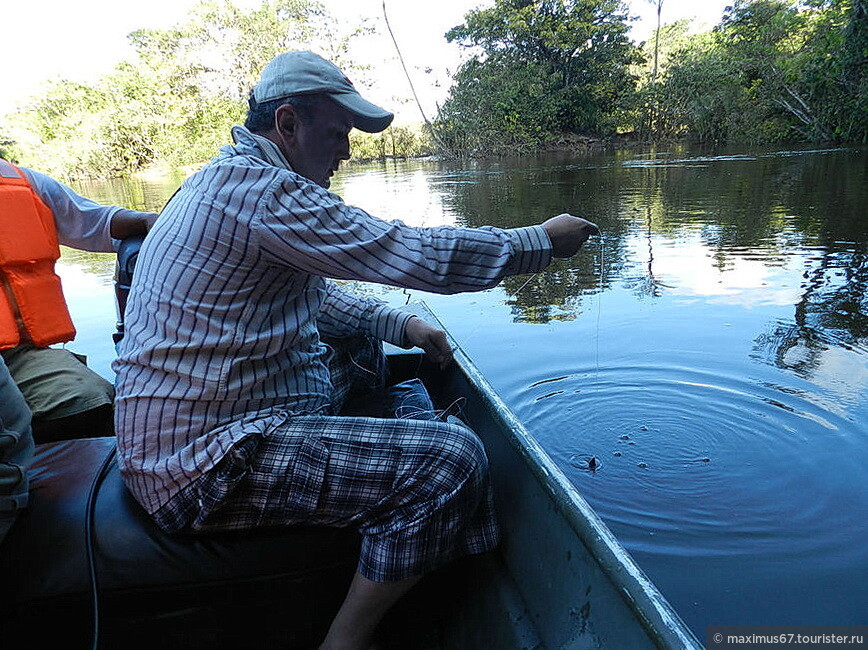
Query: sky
[81, 40]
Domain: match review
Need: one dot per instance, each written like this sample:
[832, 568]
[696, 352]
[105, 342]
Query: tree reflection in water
[769, 206]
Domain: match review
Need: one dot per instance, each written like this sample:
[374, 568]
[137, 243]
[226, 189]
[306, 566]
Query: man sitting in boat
[67, 399]
[239, 354]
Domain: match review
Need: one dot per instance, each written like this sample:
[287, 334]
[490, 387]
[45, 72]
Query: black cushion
[265, 588]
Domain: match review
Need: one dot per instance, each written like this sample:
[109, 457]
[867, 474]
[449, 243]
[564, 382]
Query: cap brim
[368, 117]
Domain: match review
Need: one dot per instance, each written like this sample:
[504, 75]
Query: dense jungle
[538, 75]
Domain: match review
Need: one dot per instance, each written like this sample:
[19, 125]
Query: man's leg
[362, 610]
[68, 399]
[418, 491]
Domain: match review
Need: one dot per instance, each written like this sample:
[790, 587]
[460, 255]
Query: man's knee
[461, 453]
[93, 423]
[68, 399]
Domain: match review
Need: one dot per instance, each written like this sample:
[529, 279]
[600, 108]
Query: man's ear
[286, 121]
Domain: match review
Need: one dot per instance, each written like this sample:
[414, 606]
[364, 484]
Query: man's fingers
[432, 340]
[442, 349]
[439, 350]
[567, 233]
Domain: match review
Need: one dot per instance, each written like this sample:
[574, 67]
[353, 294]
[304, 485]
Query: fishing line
[524, 284]
[596, 384]
[599, 305]
[412, 412]
[591, 462]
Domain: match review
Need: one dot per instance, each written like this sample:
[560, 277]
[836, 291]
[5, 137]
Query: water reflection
[149, 194]
[709, 350]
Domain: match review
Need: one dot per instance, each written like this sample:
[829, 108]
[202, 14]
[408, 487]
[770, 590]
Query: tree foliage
[772, 70]
[542, 67]
[175, 103]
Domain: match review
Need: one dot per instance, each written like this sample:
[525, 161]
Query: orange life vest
[32, 308]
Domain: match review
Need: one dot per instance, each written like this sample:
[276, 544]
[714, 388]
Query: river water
[710, 350]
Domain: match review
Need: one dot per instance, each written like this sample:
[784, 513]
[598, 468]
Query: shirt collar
[249, 143]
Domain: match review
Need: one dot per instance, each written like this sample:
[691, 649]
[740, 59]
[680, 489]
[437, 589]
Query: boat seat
[275, 587]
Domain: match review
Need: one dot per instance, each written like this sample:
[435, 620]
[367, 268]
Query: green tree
[197, 74]
[176, 101]
[773, 70]
[834, 69]
[762, 38]
[658, 52]
[700, 94]
[542, 67]
[59, 131]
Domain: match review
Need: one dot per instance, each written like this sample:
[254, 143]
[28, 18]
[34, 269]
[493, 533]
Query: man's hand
[431, 339]
[567, 233]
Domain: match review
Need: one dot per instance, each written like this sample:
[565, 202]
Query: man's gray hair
[260, 117]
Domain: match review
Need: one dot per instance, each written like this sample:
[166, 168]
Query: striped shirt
[233, 290]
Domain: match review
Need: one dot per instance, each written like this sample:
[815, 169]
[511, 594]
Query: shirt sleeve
[312, 230]
[81, 223]
[344, 313]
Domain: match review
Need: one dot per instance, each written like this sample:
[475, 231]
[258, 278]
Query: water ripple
[696, 463]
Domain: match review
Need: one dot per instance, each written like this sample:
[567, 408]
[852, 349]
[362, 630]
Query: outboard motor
[128, 254]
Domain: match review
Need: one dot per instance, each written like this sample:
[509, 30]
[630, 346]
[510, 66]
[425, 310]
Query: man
[67, 399]
[239, 355]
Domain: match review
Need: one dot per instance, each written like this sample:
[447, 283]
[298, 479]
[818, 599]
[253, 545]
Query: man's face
[320, 142]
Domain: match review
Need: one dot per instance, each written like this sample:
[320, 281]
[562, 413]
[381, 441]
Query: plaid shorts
[417, 490]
